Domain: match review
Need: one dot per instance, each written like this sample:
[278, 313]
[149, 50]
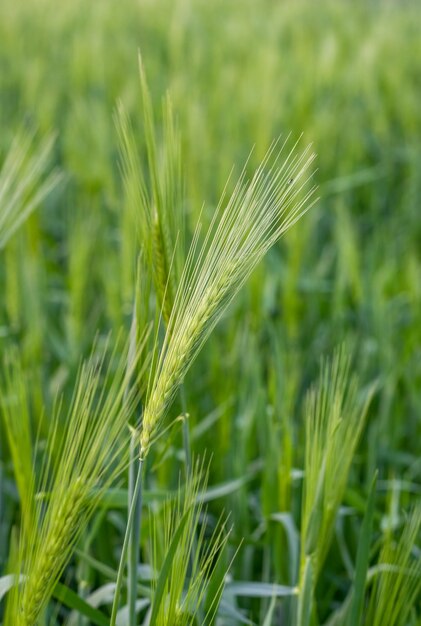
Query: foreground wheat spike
[256, 215]
[23, 183]
[82, 464]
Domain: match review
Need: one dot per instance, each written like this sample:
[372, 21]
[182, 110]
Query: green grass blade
[7, 582]
[363, 553]
[259, 590]
[70, 599]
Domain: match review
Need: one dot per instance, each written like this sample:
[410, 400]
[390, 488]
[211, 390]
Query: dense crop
[210, 340]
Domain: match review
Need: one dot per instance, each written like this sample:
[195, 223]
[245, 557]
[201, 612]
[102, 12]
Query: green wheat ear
[155, 204]
[80, 464]
[254, 218]
[23, 181]
[335, 418]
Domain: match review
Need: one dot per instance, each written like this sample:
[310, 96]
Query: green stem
[188, 468]
[135, 505]
[305, 597]
[134, 537]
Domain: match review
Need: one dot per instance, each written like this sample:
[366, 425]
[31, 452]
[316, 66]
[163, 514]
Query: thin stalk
[188, 470]
[135, 463]
[2, 544]
[134, 504]
[305, 596]
[134, 536]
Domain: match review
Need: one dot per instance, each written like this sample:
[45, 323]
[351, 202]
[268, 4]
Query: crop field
[210, 313]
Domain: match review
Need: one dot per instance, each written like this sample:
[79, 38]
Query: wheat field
[210, 313]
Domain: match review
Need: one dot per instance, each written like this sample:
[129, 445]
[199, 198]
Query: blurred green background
[240, 73]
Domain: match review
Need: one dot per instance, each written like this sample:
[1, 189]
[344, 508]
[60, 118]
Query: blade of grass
[363, 553]
[72, 600]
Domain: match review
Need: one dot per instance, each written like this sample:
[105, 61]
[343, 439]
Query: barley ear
[258, 212]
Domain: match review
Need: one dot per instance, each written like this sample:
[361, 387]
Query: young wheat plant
[190, 574]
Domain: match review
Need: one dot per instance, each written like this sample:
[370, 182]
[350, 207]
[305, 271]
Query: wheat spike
[255, 217]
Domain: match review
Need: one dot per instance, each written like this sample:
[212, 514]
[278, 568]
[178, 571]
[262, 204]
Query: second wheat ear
[80, 465]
